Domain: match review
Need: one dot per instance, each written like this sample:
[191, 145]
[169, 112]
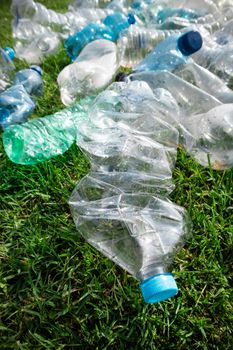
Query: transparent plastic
[77, 4]
[34, 41]
[180, 14]
[38, 31]
[6, 67]
[127, 139]
[139, 232]
[16, 103]
[135, 43]
[110, 29]
[181, 90]
[171, 52]
[44, 138]
[205, 80]
[132, 149]
[210, 137]
[216, 54]
[92, 71]
[205, 124]
[65, 23]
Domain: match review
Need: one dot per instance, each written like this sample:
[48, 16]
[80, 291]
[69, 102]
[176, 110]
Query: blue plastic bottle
[171, 53]
[16, 103]
[10, 53]
[109, 30]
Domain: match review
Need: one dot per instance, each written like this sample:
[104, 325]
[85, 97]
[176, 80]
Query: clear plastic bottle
[132, 148]
[210, 137]
[68, 22]
[110, 30]
[127, 139]
[25, 30]
[139, 232]
[135, 43]
[34, 41]
[38, 48]
[171, 52]
[217, 52]
[205, 80]
[181, 90]
[206, 125]
[7, 56]
[77, 4]
[16, 103]
[180, 14]
[93, 70]
[177, 14]
[44, 138]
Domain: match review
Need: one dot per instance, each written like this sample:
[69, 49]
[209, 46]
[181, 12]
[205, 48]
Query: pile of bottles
[175, 90]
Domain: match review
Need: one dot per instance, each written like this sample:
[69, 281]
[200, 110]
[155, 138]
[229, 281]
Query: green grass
[57, 292]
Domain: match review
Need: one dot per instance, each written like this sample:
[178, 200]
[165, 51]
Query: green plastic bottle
[44, 138]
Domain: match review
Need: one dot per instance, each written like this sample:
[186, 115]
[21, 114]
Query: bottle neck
[150, 270]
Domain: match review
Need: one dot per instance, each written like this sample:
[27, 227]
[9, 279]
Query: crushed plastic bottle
[7, 55]
[44, 138]
[93, 70]
[205, 80]
[77, 4]
[180, 14]
[16, 103]
[209, 137]
[109, 30]
[217, 52]
[139, 232]
[132, 155]
[34, 41]
[181, 90]
[171, 52]
[206, 125]
[130, 137]
[64, 23]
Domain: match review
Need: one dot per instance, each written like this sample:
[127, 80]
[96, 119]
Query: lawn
[57, 292]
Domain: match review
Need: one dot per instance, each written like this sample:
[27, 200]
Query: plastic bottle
[91, 71]
[113, 207]
[16, 103]
[77, 4]
[205, 123]
[210, 137]
[184, 13]
[205, 80]
[181, 90]
[66, 23]
[135, 43]
[122, 135]
[7, 55]
[139, 232]
[110, 30]
[34, 41]
[171, 52]
[217, 52]
[43, 138]
[35, 51]
[180, 14]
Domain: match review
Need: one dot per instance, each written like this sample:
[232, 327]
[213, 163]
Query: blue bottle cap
[131, 18]
[37, 69]
[158, 288]
[10, 52]
[190, 42]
